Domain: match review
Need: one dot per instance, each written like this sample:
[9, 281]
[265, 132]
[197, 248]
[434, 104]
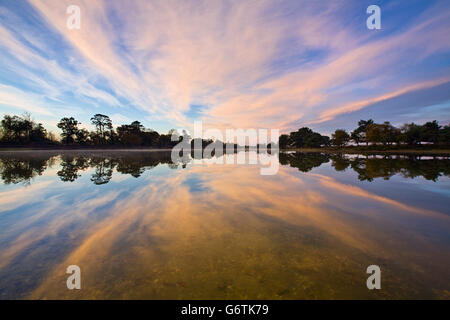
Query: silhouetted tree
[38, 133]
[444, 135]
[23, 130]
[82, 136]
[359, 134]
[431, 131]
[340, 138]
[382, 133]
[103, 124]
[130, 134]
[283, 141]
[411, 133]
[17, 129]
[69, 127]
[306, 138]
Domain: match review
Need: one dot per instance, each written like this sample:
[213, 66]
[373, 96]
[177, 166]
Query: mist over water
[142, 227]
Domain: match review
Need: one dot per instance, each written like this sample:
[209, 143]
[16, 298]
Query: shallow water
[142, 227]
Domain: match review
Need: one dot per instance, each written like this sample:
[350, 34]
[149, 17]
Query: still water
[142, 227]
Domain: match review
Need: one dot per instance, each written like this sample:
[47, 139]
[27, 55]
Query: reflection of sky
[208, 231]
[195, 184]
[418, 192]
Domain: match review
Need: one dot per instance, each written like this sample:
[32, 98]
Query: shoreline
[371, 151]
[303, 150]
[36, 149]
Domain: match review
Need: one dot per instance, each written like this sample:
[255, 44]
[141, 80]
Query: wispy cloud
[247, 63]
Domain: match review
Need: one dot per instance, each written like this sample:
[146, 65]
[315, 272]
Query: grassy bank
[81, 150]
[336, 150]
[368, 150]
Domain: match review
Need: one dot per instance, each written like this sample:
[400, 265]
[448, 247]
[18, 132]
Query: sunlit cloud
[278, 64]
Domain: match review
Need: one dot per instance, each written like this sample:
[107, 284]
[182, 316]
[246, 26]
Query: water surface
[142, 227]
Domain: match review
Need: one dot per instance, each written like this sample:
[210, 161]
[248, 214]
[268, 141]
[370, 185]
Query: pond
[142, 227]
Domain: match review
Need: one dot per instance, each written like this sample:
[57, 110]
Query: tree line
[22, 130]
[369, 132]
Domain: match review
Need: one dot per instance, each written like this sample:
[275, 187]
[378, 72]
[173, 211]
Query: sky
[232, 64]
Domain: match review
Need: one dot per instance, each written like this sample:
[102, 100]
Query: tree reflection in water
[23, 167]
[371, 167]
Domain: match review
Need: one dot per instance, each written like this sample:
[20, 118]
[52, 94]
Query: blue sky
[232, 64]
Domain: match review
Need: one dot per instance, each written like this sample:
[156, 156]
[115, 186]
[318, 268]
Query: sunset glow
[277, 64]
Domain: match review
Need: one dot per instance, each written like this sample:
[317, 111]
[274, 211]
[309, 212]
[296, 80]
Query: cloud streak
[247, 63]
